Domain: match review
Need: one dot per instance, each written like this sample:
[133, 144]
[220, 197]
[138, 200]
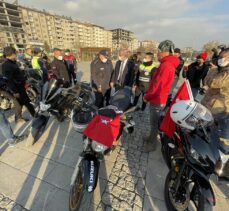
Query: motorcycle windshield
[121, 99]
[204, 149]
[49, 89]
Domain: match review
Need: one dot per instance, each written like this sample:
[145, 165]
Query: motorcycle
[33, 85]
[6, 98]
[117, 118]
[59, 102]
[192, 158]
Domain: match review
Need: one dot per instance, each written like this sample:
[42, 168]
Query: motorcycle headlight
[98, 147]
[44, 107]
[195, 155]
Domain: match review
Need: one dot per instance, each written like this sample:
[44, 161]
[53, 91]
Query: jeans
[154, 119]
[195, 92]
[5, 127]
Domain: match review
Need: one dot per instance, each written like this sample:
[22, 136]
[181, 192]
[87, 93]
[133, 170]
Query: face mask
[67, 54]
[144, 60]
[222, 62]
[104, 60]
[60, 58]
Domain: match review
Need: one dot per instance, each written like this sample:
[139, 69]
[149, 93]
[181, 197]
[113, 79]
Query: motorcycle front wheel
[181, 200]
[79, 198]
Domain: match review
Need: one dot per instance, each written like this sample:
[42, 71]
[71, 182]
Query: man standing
[196, 73]
[217, 96]
[177, 53]
[101, 70]
[16, 82]
[71, 64]
[26, 58]
[144, 75]
[160, 86]
[7, 131]
[39, 65]
[59, 67]
[123, 74]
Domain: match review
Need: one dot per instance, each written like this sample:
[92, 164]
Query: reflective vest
[145, 72]
[35, 63]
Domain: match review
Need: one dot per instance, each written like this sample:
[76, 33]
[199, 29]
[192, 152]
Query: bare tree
[209, 46]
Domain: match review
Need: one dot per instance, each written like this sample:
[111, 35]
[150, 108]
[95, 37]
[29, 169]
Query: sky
[188, 23]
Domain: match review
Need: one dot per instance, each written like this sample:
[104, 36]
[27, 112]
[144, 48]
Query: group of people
[155, 82]
[14, 67]
[143, 77]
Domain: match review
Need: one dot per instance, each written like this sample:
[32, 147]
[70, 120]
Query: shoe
[150, 147]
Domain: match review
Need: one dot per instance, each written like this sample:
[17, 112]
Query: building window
[9, 39]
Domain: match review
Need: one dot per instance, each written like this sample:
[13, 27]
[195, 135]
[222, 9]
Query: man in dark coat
[101, 70]
[16, 82]
[124, 72]
[59, 67]
[197, 72]
[177, 53]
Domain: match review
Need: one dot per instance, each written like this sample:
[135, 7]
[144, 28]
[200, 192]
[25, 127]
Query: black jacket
[15, 76]
[128, 74]
[59, 68]
[195, 74]
[101, 74]
[180, 67]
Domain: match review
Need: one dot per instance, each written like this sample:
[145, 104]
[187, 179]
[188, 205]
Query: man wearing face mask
[101, 70]
[143, 78]
[59, 67]
[123, 75]
[196, 72]
[72, 66]
[217, 96]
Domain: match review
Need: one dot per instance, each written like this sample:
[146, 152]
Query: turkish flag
[168, 126]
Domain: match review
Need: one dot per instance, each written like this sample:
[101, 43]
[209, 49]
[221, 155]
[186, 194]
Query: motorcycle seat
[109, 111]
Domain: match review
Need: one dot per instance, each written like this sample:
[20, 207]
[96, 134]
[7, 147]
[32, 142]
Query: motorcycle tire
[202, 205]
[79, 198]
[33, 96]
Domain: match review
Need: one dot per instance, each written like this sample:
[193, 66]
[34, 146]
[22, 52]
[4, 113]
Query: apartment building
[11, 26]
[124, 38]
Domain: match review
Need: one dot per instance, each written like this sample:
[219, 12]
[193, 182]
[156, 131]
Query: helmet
[37, 50]
[166, 46]
[190, 114]
[81, 119]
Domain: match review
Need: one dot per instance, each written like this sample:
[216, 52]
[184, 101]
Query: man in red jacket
[72, 65]
[159, 89]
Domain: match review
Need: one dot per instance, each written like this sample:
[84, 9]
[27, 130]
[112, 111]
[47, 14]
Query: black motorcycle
[192, 157]
[33, 85]
[59, 102]
[85, 176]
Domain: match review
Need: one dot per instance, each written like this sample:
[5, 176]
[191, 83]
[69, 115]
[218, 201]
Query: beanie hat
[203, 56]
[166, 46]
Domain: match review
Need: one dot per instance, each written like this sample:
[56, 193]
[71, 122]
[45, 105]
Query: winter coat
[60, 70]
[162, 80]
[101, 74]
[217, 96]
[195, 74]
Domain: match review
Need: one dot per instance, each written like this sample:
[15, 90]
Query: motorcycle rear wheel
[79, 198]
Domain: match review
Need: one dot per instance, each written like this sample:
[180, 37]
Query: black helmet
[81, 119]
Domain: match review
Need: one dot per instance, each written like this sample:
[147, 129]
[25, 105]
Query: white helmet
[189, 114]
